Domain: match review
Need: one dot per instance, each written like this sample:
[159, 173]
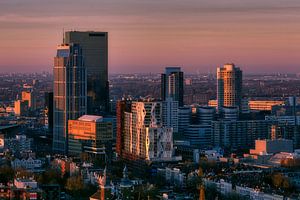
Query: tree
[6, 174]
[51, 176]
[280, 181]
[84, 157]
[211, 192]
[74, 183]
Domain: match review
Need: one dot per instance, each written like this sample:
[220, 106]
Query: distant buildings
[229, 86]
[18, 144]
[263, 105]
[172, 85]
[29, 97]
[263, 147]
[28, 164]
[21, 107]
[95, 53]
[70, 92]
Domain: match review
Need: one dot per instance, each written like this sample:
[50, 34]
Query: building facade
[170, 114]
[95, 53]
[70, 89]
[90, 134]
[21, 107]
[29, 96]
[229, 86]
[172, 84]
[144, 136]
[239, 134]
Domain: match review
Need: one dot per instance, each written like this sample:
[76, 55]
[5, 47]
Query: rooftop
[91, 118]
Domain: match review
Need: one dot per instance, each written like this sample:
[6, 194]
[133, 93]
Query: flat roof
[91, 118]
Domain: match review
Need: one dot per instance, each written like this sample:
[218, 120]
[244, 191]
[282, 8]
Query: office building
[122, 107]
[90, 134]
[70, 99]
[95, 53]
[199, 136]
[170, 114]
[286, 131]
[184, 119]
[239, 134]
[272, 146]
[263, 105]
[229, 86]
[28, 96]
[229, 113]
[205, 115]
[21, 107]
[172, 84]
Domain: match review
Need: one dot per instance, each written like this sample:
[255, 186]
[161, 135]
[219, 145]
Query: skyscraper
[95, 53]
[122, 107]
[229, 86]
[69, 92]
[170, 114]
[49, 111]
[172, 84]
[144, 136]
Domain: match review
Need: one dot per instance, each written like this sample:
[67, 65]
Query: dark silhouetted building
[49, 110]
[122, 107]
[95, 53]
[172, 85]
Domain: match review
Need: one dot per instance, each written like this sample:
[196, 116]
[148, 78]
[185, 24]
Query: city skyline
[146, 36]
[149, 99]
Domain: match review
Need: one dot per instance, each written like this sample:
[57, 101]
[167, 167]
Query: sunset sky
[147, 35]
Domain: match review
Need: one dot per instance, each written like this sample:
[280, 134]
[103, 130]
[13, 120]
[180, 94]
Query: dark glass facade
[95, 53]
[172, 85]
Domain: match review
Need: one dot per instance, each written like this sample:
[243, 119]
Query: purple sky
[147, 35]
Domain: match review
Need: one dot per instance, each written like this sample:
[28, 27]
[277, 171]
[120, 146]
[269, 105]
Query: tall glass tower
[172, 85]
[70, 89]
[95, 52]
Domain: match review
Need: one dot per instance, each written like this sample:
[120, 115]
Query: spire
[125, 172]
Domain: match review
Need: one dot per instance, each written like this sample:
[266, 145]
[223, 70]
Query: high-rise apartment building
[123, 106]
[229, 86]
[70, 90]
[144, 136]
[172, 84]
[95, 53]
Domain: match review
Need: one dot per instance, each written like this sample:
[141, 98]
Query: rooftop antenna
[63, 35]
